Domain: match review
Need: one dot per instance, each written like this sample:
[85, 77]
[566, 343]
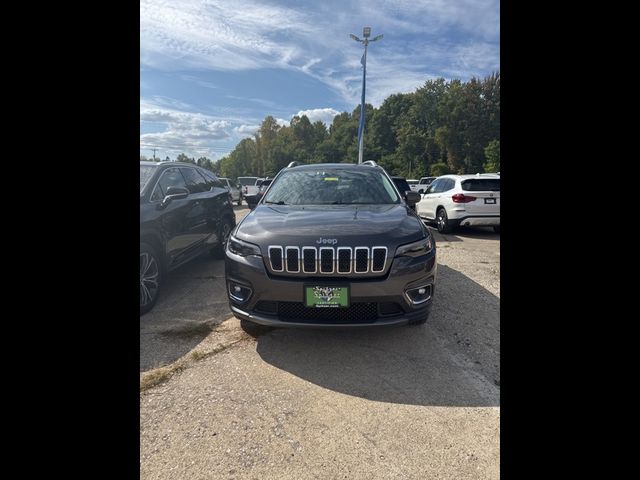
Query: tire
[254, 329]
[150, 277]
[442, 221]
[423, 320]
[217, 252]
[496, 229]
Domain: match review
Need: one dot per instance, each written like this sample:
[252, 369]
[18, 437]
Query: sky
[212, 70]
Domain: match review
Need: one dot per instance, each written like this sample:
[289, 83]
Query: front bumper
[382, 299]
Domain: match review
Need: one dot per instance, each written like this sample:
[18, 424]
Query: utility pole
[366, 33]
[154, 154]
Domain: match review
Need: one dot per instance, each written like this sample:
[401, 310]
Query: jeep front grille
[327, 260]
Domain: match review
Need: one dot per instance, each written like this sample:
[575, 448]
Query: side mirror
[174, 193]
[412, 197]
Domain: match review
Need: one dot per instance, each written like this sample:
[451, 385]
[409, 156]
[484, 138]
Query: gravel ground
[398, 402]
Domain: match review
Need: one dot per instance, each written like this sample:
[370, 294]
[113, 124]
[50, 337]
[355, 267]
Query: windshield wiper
[275, 203]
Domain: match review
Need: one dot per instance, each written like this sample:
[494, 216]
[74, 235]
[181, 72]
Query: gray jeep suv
[331, 245]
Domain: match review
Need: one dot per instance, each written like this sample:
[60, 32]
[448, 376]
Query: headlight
[416, 249]
[242, 248]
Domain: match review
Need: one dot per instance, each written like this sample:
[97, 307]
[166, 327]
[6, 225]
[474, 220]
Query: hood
[330, 225]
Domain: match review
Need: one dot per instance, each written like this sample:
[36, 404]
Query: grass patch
[198, 355]
[160, 375]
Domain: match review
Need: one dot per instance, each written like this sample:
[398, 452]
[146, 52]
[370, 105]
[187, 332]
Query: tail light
[462, 198]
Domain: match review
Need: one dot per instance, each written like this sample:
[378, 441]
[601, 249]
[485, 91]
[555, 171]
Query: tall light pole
[366, 33]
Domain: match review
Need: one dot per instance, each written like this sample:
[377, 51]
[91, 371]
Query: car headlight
[416, 249]
[242, 248]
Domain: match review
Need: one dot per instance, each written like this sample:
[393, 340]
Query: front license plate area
[489, 200]
[326, 296]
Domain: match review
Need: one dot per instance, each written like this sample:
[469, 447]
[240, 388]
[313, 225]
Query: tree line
[442, 127]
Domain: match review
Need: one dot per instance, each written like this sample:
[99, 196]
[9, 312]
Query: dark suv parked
[331, 245]
[184, 210]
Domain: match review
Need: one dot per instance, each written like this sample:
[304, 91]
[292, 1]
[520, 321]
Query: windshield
[145, 174]
[332, 187]
[245, 181]
[412, 182]
[481, 185]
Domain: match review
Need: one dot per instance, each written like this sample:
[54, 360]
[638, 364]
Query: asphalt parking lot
[396, 402]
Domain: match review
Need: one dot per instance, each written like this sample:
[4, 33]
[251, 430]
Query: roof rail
[370, 162]
[293, 164]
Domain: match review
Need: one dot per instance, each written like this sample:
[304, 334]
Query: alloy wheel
[149, 273]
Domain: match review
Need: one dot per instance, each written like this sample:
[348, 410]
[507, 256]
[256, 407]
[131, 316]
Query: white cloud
[217, 34]
[246, 130]
[259, 101]
[191, 133]
[282, 122]
[198, 81]
[325, 115]
[193, 125]
[240, 35]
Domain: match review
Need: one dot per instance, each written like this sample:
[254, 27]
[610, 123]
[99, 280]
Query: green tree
[183, 158]
[438, 169]
[265, 141]
[240, 161]
[492, 154]
[204, 162]
[442, 127]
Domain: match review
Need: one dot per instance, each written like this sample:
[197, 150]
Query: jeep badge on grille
[331, 241]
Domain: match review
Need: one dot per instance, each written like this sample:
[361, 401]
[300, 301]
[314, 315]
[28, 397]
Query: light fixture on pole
[366, 33]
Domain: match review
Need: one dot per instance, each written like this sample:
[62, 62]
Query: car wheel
[423, 320]
[496, 229]
[217, 252]
[442, 221]
[150, 277]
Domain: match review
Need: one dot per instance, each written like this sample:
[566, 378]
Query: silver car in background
[235, 191]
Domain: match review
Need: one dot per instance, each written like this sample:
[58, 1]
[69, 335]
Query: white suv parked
[453, 200]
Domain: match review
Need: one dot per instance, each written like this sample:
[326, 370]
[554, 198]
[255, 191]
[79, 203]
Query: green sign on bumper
[323, 296]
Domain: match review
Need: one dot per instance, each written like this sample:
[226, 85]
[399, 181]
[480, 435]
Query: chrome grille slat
[292, 262]
[309, 259]
[327, 257]
[339, 260]
[358, 263]
[275, 258]
[327, 260]
[376, 259]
